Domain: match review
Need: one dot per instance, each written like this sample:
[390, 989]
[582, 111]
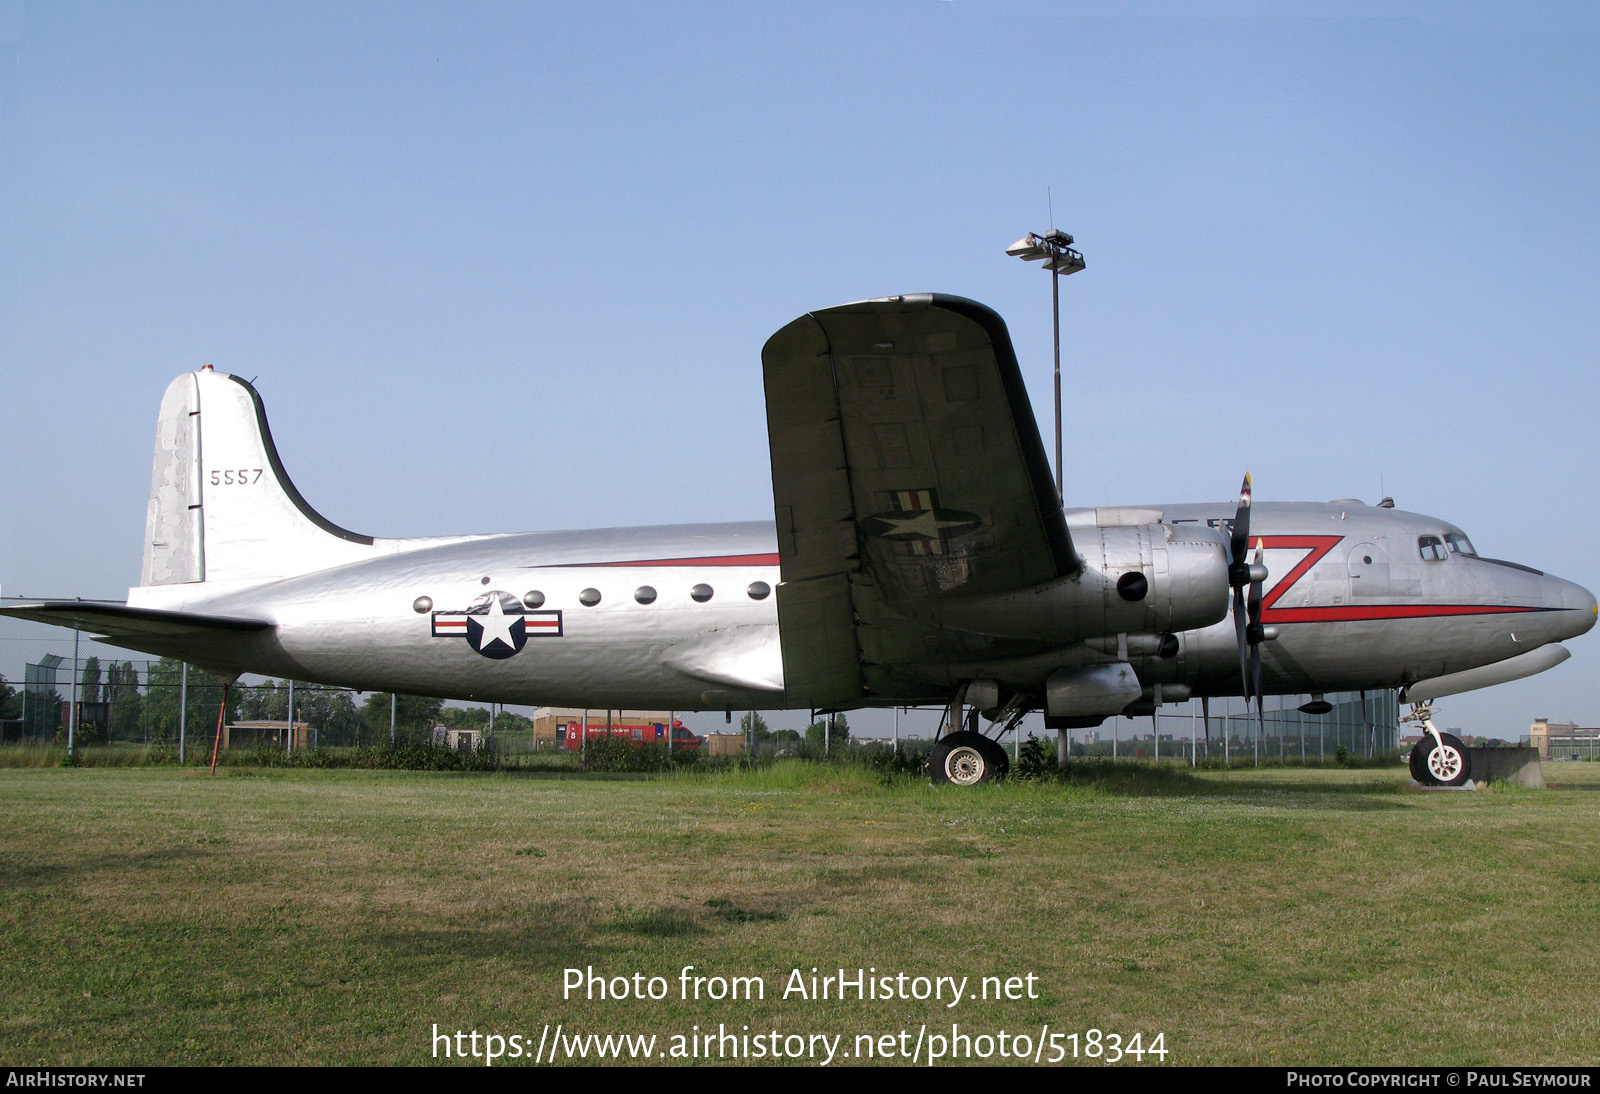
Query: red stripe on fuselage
[1388, 611]
[1318, 547]
[714, 560]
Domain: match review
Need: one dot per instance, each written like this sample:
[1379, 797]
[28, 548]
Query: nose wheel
[1439, 759]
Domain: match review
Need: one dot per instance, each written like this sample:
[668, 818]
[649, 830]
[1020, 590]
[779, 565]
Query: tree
[414, 715]
[816, 731]
[10, 703]
[92, 726]
[754, 727]
[465, 717]
[89, 692]
[509, 721]
[158, 714]
[329, 713]
[122, 692]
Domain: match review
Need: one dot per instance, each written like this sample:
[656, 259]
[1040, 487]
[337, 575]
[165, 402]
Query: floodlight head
[1056, 235]
[1028, 247]
[1070, 262]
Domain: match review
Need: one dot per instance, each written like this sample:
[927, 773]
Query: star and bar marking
[919, 524]
[492, 630]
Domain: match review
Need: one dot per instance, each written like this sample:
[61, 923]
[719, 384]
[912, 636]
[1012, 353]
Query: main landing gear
[1439, 759]
[966, 757]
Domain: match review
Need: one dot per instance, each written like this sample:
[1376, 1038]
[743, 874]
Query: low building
[458, 740]
[550, 723]
[250, 734]
[1564, 740]
[724, 744]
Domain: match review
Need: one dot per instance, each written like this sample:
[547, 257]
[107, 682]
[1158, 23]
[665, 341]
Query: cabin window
[1459, 544]
[1432, 548]
[589, 597]
[759, 590]
[644, 594]
[533, 599]
[701, 593]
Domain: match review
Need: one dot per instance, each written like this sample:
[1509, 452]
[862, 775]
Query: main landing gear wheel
[1440, 764]
[966, 759]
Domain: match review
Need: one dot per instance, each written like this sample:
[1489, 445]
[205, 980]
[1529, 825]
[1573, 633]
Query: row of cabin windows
[1435, 549]
[645, 594]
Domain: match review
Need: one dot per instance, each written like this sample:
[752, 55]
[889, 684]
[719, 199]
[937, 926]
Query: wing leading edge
[906, 468]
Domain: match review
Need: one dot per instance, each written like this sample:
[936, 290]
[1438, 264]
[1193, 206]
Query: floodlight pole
[1055, 249]
[183, 709]
[72, 708]
[1055, 324]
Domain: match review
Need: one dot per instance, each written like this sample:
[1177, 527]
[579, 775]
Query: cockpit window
[1459, 544]
[1432, 548]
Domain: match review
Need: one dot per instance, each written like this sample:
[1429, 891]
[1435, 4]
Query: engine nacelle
[1136, 579]
[1156, 577]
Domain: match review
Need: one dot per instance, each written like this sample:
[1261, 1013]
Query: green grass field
[158, 916]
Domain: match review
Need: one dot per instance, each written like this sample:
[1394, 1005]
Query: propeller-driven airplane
[920, 554]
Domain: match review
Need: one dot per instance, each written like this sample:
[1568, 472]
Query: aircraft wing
[906, 468]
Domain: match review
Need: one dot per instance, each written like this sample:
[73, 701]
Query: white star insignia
[925, 523]
[496, 625]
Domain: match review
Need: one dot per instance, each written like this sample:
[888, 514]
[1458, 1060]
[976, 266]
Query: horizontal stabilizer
[139, 626]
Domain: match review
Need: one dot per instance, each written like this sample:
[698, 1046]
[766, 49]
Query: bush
[607, 753]
[1033, 761]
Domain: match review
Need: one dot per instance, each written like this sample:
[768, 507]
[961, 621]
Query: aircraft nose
[1581, 608]
[1583, 605]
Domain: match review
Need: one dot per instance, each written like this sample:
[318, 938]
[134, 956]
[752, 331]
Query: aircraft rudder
[173, 544]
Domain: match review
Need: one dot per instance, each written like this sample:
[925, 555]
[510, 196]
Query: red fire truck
[638, 733]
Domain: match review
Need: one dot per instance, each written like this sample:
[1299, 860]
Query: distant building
[1564, 740]
[550, 723]
[459, 740]
[724, 744]
[250, 734]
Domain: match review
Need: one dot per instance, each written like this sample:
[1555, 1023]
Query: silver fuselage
[1355, 603]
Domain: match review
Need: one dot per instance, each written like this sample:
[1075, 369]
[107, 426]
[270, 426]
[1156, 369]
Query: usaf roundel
[497, 625]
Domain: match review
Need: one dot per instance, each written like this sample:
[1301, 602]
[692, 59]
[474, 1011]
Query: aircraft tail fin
[221, 506]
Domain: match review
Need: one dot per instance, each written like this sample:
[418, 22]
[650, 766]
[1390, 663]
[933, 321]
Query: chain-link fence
[57, 685]
[1360, 725]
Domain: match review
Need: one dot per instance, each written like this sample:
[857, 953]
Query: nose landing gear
[1439, 759]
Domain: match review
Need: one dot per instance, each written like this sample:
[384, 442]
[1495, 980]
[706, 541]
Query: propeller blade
[1239, 541]
[1254, 633]
[1239, 629]
[1258, 574]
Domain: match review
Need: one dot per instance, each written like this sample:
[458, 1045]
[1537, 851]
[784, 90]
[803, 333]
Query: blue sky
[509, 267]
